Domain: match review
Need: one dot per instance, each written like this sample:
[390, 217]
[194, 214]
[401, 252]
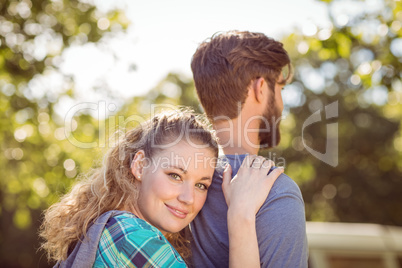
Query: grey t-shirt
[280, 223]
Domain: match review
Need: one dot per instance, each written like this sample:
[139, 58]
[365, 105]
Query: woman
[150, 187]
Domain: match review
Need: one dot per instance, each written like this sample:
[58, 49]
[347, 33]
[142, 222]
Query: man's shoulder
[284, 201]
[285, 185]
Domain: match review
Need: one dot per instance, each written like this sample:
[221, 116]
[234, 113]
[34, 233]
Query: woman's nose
[186, 194]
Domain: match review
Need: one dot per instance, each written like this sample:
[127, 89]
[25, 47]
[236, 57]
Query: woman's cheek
[201, 198]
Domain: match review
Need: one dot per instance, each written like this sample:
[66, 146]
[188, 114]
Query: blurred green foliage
[37, 162]
[355, 62]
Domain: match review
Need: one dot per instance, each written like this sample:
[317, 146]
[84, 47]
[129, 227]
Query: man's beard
[269, 134]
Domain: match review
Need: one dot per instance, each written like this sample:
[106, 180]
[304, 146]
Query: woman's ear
[137, 166]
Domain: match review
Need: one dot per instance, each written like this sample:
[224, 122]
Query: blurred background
[73, 72]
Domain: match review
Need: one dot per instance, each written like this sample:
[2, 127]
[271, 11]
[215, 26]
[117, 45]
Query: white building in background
[355, 245]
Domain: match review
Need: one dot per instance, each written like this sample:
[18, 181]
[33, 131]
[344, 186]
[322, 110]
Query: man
[238, 78]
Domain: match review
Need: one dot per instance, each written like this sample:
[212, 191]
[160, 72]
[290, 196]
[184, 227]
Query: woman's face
[173, 185]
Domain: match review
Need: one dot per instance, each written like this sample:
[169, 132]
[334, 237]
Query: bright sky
[164, 35]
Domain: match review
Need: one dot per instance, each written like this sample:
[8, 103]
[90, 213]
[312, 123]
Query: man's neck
[234, 138]
[240, 150]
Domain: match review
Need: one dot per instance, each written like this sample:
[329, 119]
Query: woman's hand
[248, 190]
[244, 196]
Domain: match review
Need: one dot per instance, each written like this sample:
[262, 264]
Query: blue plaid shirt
[128, 241]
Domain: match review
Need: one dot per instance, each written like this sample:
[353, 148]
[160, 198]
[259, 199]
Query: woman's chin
[172, 230]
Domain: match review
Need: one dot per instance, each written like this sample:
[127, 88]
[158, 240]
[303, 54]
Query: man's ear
[137, 166]
[258, 89]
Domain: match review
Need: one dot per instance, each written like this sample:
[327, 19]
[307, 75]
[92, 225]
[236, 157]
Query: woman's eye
[175, 176]
[201, 186]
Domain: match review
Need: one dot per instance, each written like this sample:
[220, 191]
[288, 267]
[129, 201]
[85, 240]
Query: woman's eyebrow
[178, 167]
[206, 179]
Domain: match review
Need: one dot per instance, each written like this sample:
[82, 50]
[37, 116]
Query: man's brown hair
[224, 66]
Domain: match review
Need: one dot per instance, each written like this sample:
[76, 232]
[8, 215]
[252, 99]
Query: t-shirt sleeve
[145, 248]
[281, 227]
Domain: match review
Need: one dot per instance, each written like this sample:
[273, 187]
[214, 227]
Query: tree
[356, 63]
[38, 160]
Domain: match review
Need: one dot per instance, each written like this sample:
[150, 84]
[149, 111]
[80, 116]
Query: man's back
[280, 225]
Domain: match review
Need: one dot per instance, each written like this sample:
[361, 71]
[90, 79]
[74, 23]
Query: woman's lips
[177, 212]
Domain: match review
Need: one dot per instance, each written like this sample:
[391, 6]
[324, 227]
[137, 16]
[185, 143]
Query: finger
[275, 174]
[226, 177]
[248, 160]
[258, 161]
[267, 165]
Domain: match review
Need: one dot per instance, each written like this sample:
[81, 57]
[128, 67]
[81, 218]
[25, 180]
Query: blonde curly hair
[112, 187]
